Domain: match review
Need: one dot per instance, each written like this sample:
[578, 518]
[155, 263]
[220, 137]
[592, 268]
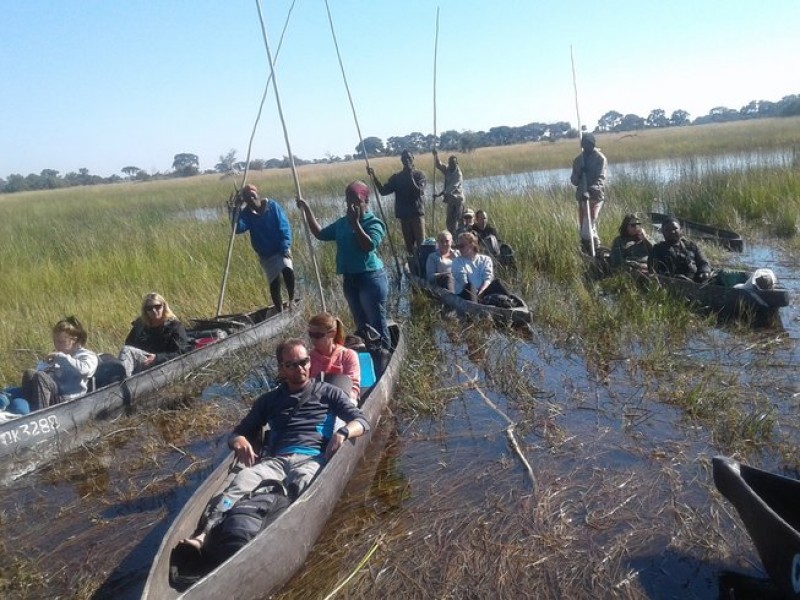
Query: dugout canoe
[518, 315]
[751, 302]
[704, 233]
[35, 439]
[769, 506]
[279, 551]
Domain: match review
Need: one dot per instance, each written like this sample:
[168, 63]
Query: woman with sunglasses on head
[328, 354]
[156, 336]
[473, 272]
[632, 246]
[64, 373]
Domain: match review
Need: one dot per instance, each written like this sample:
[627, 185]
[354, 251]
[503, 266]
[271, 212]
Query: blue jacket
[269, 233]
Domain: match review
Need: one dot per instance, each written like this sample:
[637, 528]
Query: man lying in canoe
[300, 413]
[677, 256]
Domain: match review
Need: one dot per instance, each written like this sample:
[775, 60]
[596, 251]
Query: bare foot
[195, 542]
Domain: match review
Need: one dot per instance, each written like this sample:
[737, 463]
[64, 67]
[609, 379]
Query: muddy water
[621, 502]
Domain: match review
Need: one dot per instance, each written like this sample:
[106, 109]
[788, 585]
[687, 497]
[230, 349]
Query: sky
[104, 85]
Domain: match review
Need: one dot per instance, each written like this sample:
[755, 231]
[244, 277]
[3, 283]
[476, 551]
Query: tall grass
[94, 251]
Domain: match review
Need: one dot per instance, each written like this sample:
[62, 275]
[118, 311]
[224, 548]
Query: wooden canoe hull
[278, 552]
[33, 440]
[516, 316]
[705, 233]
[762, 305]
[769, 506]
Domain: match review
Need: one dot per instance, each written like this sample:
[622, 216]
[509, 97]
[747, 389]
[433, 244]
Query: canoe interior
[284, 545]
[33, 440]
[767, 504]
[520, 315]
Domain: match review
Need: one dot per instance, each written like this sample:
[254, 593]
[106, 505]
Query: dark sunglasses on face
[154, 307]
[299, 363]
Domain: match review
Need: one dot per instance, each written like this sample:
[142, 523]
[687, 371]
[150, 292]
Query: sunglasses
[634, 224]
[154, 307]
[301, 363]
[316, 335]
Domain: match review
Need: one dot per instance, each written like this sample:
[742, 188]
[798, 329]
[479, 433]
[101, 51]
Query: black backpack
[244, 521]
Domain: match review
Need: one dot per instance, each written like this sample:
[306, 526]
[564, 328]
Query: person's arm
[354, 215]
[84, 362]
[488, 274]
[703, 266]
[577, 171]
[439, 165]
[382, 190]
[357, 424]
[616, 252]
[176, 340]
[313, 224]
[352, 368]
[284, 228]
[430, 266]
[243, 449]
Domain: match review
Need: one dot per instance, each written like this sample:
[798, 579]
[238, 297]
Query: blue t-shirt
[350, 258]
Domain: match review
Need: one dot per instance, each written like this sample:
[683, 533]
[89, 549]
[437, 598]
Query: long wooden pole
[587, 206]
[435, 168]
[235, 197]
[363, 146]
[291, 155]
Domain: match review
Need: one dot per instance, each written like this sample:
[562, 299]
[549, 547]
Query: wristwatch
[344, 431]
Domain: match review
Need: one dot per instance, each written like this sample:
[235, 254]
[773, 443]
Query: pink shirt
[343, 361]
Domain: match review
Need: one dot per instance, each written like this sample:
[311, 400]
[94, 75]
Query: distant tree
[468, 141]
[630, 122]
[257, 164]
[789, 106]
[448, 140]
[15, 183]
[609, 121]
[679, 117]
[186, 164]
[373, 146]
[226, 162]
[131, 171]
[657, 118]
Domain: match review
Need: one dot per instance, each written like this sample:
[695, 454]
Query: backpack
[244, 521]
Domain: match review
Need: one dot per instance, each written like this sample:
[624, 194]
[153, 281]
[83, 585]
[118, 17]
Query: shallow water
[622, 503]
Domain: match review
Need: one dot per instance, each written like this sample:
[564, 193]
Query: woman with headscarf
[358, 235]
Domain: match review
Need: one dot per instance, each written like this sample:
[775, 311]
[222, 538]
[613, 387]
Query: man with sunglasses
[300, 413]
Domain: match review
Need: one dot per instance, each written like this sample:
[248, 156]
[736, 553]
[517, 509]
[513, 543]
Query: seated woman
[64, 373]
[439, 265]
[155, 337]
[631, 246]
[328, 354]
[474, 272]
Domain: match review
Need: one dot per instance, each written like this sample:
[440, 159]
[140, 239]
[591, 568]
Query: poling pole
[583, 164]
[435, 55]
[363, 147]
[291, 156]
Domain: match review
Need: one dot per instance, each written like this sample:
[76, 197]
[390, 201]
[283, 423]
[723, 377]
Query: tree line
[186, 164]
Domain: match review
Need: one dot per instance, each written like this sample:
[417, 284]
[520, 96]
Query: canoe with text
[517, 315]
[35, 439]
[265, 564]
[705, 233]
[769, 506]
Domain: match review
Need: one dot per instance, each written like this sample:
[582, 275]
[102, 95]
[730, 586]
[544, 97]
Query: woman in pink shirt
[328, 354]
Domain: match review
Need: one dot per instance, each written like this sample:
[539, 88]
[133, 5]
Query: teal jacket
[350, 258]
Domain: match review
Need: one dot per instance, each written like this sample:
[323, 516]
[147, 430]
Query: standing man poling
[588, 176]
[453, 193]
[271, 238]
[408, 187]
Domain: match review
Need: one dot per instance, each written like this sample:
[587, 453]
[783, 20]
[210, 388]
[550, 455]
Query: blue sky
[103, 85]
